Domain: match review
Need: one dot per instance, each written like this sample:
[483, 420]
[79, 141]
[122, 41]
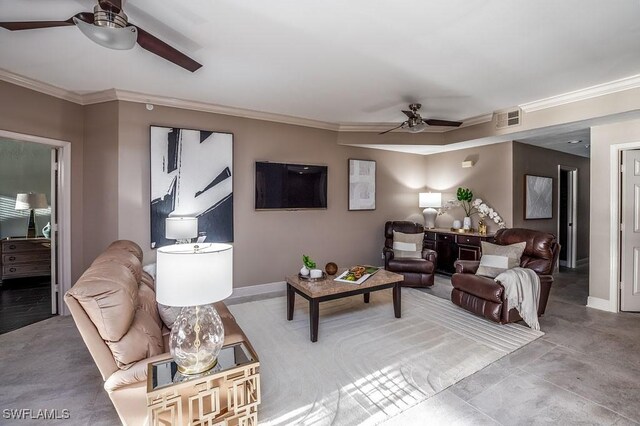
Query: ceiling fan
[415, 123]
[109, 27]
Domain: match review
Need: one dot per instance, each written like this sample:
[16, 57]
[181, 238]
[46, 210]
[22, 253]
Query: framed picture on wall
[538, 197]
[191, 176]
[362, 184]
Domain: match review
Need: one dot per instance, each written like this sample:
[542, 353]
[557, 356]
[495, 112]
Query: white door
[630, 247]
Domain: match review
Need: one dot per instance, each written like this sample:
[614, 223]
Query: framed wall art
[362, 184]
[192, 176]
[538, 196]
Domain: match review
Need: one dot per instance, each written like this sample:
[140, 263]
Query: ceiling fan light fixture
[112, 38]
[420, 127]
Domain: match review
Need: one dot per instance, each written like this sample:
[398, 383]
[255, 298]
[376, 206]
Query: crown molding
[627, 83]
[620, 85]
[39, 86]
[128, 96]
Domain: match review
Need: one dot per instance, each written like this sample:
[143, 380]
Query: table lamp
[194, 276]
[430, 200]
[181, 229]
[31, 202]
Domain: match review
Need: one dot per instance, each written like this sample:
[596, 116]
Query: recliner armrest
[388, 255]
[134, 374]
[429, 255]
[466, 266]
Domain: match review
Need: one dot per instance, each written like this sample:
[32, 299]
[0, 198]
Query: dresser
[25, 257]
[452, 246]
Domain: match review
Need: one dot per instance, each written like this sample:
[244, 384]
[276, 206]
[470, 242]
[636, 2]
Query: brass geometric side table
[226, 395]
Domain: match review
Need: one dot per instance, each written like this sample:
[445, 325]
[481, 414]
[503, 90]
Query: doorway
[28, 191]
[60, 222]
[568, 215]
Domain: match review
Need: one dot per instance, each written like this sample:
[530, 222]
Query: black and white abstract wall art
[192, 176]
[538, 197]
[362, 184]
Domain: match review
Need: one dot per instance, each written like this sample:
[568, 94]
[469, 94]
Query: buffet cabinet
[451, 246]
[25, 257]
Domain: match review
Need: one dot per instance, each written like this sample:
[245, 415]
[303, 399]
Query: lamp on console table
[31, 202]
[430, 200]
[181, 229]
[194, 276]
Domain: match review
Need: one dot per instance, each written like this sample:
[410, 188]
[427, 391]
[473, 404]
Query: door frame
[573, 173]
[64, 208]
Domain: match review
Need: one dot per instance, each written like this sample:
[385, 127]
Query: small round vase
[466, 223]
[46, 231]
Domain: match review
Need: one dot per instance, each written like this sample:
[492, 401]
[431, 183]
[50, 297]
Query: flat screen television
[290, 186]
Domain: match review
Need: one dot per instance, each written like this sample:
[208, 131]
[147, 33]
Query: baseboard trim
[254, 290]
[600, 304]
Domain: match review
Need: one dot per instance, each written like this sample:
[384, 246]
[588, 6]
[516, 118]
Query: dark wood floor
[24, 301]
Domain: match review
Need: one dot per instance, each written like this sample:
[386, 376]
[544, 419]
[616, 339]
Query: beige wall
[28, 112]
[101, 178]
[533, 160]
[602, 138]
[489, 179]
[269, 244]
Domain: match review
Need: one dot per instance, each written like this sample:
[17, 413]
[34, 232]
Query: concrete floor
[585, 370]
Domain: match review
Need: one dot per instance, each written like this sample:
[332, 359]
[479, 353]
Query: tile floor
[585, 370]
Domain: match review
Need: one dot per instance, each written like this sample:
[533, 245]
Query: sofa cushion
[147, 279]
[142, 340]
[168, 314]
[407, 245]
[418, 266]
[127, 245]
[481, 287]
[108, 293]
[147, 302]
[496, 258]
[123, 257]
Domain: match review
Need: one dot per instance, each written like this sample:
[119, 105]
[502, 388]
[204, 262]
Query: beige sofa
[113, 305]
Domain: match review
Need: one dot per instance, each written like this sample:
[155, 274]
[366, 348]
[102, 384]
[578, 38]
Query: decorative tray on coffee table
[308, 278]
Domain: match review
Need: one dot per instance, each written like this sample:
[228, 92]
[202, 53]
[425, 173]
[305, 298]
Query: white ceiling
[577, 142]
[357, 61]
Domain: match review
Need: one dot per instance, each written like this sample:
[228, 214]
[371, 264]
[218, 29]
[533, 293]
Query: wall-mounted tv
[290, 186]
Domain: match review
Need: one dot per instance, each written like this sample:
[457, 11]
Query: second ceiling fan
[415, 123]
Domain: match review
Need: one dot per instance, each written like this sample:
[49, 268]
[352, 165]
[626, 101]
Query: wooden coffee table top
[328, 287]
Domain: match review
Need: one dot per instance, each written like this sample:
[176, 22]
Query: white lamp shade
[186, 277]
[181, 228]
[31, 201]
[430, 199]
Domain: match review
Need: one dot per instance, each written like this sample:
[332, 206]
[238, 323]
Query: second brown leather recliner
[486, 297]
[417, 272]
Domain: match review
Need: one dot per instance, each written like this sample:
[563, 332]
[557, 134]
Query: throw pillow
[168, 314]
[407, 245]
[497, 259]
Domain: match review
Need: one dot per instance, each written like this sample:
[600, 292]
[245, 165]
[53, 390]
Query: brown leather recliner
[417, 272]
[484, 296]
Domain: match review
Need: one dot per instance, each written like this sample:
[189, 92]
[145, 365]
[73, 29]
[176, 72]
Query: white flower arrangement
[484, 210]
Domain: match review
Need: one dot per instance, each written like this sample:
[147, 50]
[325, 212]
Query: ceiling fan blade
[390, 130]
[434, 122]
[162, 49]
[34, 25]
[409, 114]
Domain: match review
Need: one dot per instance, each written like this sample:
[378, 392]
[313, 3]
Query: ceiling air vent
[508, 118]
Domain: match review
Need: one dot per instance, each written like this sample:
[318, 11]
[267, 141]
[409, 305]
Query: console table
[451, 246]
[25, 257]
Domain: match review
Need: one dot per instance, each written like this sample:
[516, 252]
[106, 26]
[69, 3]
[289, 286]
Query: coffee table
[329, 289]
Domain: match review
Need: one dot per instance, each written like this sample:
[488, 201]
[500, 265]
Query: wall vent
[508, 118]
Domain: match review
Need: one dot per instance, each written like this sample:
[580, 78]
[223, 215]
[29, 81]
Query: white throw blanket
[522, 291]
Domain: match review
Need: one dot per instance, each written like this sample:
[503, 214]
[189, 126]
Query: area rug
[367, 366]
